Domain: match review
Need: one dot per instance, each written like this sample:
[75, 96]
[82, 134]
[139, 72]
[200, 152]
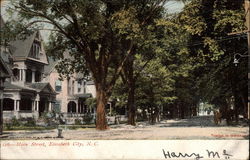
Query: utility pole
[247, 10]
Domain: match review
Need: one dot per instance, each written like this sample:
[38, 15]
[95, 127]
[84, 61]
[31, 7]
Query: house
[72, 92]
[4, 73]
[25, 95]
[35, 87]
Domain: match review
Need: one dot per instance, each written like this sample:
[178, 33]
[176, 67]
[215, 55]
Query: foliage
[30, 122]
[87, 118]
[50, 119]
[217, 79]
[91, 102]
[99, 35]
[78, 121]
[15, 122]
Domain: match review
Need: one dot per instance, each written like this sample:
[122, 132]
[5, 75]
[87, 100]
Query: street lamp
[237, 57]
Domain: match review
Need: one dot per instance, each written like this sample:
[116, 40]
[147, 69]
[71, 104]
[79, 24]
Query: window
[58, 86]
[35, 50]
[38, 76]
[79, 86]
[28, 75]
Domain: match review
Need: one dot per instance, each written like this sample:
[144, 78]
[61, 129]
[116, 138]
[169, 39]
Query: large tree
[210, 24]
[101, 34]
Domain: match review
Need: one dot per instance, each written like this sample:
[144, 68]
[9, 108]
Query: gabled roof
[49, 68]
[21, 48]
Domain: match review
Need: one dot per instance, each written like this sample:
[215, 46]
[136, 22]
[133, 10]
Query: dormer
[31, 49]
[35, 51]
[36, 48]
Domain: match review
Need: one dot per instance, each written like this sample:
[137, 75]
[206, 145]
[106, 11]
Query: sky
[172, 7]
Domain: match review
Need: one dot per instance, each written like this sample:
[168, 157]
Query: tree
[102, 34]
[209, 24]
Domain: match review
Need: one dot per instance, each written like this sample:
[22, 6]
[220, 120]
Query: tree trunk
[131, 103]
[131, 92]
[101, 122]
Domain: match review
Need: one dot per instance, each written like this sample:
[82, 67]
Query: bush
[30, 122]
[88, 118]
[15, 122]
[50, 118]
[7, 126]
[78, 122]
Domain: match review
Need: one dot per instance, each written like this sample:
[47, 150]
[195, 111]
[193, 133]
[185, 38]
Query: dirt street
[194, 128]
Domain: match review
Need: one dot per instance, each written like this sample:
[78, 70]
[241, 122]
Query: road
[196, 128]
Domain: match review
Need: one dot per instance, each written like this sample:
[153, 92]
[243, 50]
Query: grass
[13, 128]
[71, 127]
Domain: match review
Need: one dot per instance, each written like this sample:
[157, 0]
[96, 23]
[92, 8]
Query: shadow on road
[198, 121]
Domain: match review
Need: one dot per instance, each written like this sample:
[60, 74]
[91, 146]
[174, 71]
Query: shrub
[88, 118]
[30, 122]
[49, 118]
[15, 122]
[78, 121]
[7, 126]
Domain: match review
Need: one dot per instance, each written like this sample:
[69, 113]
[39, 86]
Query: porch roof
[10, 86]
[84, 95]
[42, 87]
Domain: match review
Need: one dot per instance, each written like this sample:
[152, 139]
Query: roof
[84, 95]
[10, 86]
[20, 49]
[42, 87]
[49, 68]
[38, 86]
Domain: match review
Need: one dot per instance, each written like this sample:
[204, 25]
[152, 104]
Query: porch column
[20, 75]
[33, 106]
[50, 106]
[18, 105]
[24, 75]
[33, 76]
[15, 105]
[37, 106]
[77, 107]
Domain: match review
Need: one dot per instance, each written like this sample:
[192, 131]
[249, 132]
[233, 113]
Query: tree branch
[119, 68]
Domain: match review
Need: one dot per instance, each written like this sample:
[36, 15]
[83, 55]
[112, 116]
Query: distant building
[71, 93]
